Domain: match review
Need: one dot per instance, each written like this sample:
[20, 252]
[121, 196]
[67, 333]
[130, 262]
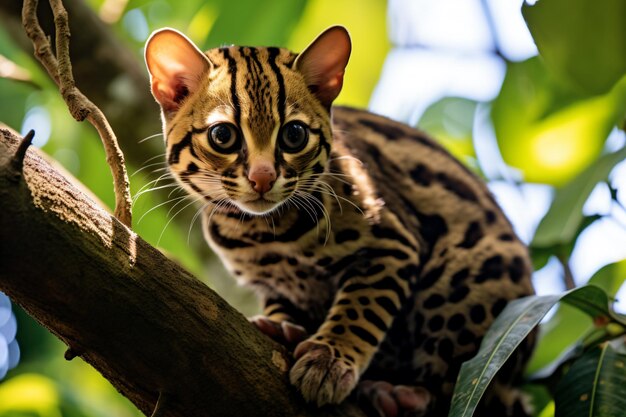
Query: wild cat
[370, 247]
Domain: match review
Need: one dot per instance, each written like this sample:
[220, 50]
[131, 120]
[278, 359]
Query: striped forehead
[258, 90]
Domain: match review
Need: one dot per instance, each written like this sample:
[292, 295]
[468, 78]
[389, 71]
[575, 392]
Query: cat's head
[247, 127]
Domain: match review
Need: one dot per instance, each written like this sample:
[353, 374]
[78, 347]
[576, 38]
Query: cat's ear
[323, 63]
[176, 66]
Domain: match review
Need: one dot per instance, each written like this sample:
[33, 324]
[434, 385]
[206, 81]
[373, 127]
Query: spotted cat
[367, 242]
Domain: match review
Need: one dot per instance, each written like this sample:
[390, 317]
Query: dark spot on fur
[459, 277]
[473, 234]
[498, 306]
[457, 187]
[506, 237]
[270, 259]
[459, 294]
[338, 329]
[352, 314]
[347, 235]
[434, 301]
[492, 268]
[430, 278]
[435, 323]
[456, 322]
[478, 314]
[517, 269]
[422, 175]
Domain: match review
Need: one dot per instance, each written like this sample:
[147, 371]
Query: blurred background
[544, 131]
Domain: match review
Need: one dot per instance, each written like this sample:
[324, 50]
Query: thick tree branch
[142, 321]
[59, 67]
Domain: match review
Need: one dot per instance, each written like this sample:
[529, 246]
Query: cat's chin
[257, 207]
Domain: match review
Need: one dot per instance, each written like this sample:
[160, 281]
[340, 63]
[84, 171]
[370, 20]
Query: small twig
[80, 107]
[17, 161]
[568, 276]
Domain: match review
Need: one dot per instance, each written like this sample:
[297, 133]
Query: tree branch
[142, 321]
[60, 69]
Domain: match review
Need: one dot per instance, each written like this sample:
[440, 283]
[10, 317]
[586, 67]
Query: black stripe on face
[176, 149]
[273, 53]
[232, 69]
[302, 161]
[323, 141]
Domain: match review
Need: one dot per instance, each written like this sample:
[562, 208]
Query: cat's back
[415, 175]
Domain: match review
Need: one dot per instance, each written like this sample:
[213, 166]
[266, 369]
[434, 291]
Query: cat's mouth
[259, 205]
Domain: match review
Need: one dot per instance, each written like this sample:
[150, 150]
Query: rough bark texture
[142, 321]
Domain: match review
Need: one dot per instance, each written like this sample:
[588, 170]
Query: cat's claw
[382, 399]
[285, 333]
[319, 376]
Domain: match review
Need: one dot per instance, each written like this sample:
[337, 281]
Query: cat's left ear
[176, 67]
[323, 63]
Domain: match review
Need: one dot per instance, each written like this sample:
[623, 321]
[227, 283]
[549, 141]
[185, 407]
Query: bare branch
[60, 69]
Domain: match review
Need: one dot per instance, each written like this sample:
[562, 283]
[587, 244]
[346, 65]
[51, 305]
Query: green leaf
[254, 22]
[541, 255]
[568, 325]
[546, 131]
[506, 333]
[563, 219]
[595, 385]
[581, 41]
[451, 121]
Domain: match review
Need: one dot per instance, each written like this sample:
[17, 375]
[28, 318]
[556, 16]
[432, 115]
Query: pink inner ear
[170, 95]
[323, 64]
[176, 67]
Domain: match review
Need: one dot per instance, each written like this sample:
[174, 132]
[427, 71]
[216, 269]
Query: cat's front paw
[321, 377]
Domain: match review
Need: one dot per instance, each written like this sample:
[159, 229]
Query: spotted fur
[389, 252]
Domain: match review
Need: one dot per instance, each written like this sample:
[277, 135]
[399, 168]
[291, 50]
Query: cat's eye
[224, 138]
[293, 137]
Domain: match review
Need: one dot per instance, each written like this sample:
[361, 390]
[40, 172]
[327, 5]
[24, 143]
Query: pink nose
[262, 177]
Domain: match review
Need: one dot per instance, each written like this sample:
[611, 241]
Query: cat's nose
[262, 177]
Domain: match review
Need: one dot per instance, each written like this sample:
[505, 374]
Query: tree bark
[141, 320]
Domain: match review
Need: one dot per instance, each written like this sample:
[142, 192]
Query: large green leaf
[565, 215]
[595, 385]
[568, 325]
[581, 41]
[506, 333]
[545, 130]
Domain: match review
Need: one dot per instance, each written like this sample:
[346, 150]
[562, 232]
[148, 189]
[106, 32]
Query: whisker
[150, 137]
[160, 205]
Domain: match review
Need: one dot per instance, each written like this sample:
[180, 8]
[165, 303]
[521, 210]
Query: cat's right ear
[323, 63]
[176, 67]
